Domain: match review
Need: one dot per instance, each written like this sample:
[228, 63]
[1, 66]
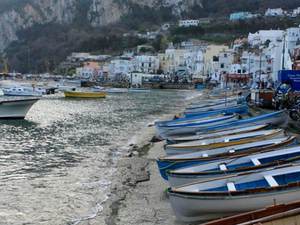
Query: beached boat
[193, 126]
[212, 104]
[16, 108]
[235, 130]
[179, 161]
[275, 214]
[211, 108]
[235, 194]
[85, 94]
[240, 109]
[212, 170]
[274, 118]
[224, 141]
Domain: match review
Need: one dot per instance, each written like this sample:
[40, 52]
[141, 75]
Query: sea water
[56, 165]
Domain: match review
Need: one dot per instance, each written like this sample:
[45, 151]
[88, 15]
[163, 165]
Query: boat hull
[15, 109]
[74, 94]
[192, 208]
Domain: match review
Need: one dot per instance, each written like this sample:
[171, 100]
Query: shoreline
[138, 194]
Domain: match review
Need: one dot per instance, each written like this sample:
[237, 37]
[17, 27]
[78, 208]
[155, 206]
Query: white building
[146, 64]
[296, 12]
[292, 38]
[189, 23]
[274, 12]
[262, 36]
[225, 60]
[86, 72]
[194, 62]
[120, 67]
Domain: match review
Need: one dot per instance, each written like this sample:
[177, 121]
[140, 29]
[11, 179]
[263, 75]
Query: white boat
[229, 140]
[23, 91]
[16, 108]
[116, 90]
[218, 169]
[232, 131]
[230, 195]
[138, 90]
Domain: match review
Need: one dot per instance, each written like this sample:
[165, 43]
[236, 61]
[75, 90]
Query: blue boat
[275, 118]
[200, 157]
[234, 194]
[193, 125]
[213, 170]
[238, 109]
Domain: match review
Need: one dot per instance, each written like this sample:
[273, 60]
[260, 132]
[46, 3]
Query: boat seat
[205, 155]
[271, 181]
[256, 162]
[231, 186]
[223, 167]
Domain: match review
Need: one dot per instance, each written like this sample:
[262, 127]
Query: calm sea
[57, 164]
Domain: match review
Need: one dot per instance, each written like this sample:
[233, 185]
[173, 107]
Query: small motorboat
[23, 91]
[231, 195]
[224, 141]
[16, 108]
[183, 160]
[138, 90]
[254, 162]
[85, 94]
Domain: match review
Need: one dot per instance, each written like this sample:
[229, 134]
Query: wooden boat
[274, 214]
[236, 130]
[189, 121]
[235, 194]
[16, 108]
[194, 126]
[211, 108]
[275, 118]
[254, 162]
[212, 104]
[224, 141]
[240, 109]
[179, 161]
[85, 94]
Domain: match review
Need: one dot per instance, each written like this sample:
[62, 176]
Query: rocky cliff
[96, 12]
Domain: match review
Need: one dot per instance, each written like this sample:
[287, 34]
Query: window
[222, 65]
[225, 55]
[239, 71]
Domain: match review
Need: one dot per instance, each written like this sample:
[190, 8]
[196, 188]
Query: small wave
[95, 212]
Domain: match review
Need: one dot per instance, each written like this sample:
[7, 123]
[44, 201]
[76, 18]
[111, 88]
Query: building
[146, 64]
[274, 12]
[296, 12]
[89, 70]
[119, 67]
[292, 38]
[241, 16]
[264, 36]
[189, 23]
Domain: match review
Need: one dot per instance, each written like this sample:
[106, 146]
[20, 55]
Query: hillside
[36, 35]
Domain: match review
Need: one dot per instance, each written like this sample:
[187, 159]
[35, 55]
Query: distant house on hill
[274, 12]
[241, 16]
[189, 23]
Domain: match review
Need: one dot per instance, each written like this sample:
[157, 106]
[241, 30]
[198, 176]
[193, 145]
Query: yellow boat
[84, 94]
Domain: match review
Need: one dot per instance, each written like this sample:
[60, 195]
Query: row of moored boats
[220, 162]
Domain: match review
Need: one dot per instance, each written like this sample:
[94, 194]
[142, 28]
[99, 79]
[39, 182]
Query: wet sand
[138, 194]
